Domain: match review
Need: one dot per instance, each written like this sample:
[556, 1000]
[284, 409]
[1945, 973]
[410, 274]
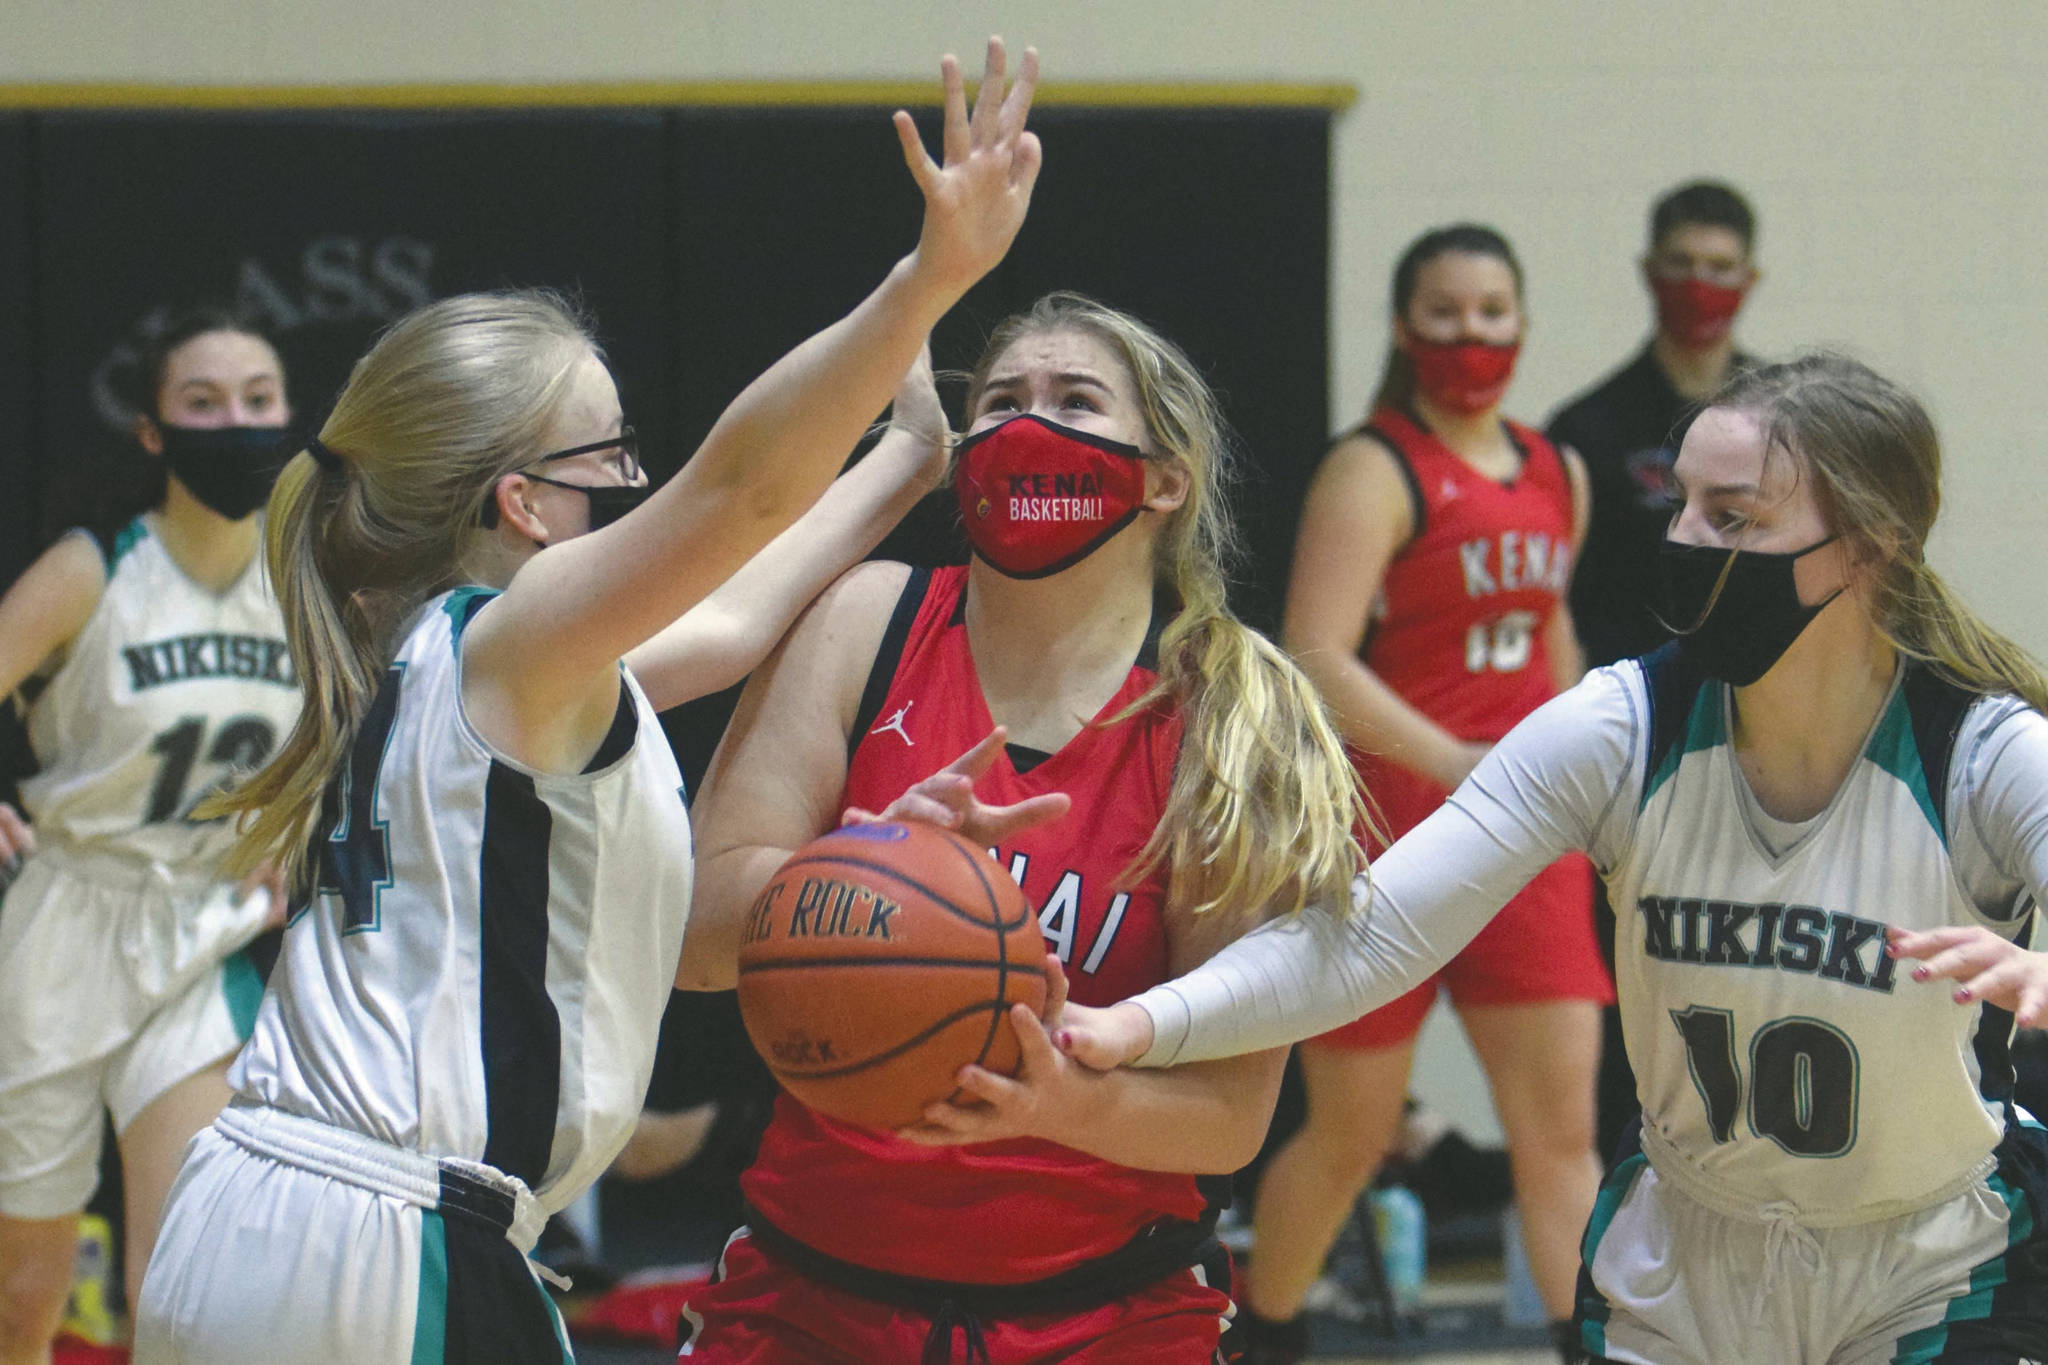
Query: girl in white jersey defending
[1836, 767]
[479, 800]
[154, 661]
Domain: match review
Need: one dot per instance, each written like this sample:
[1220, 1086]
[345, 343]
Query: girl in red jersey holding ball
[1208, 791]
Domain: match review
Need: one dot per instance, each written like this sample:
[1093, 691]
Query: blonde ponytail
[1876, 463]
[450, 399]
[1265, 807]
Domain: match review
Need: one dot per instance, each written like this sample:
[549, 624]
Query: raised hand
[1991, 969]
[975, 202]
[947, 799]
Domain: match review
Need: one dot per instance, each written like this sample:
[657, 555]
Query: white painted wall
[1894, 151]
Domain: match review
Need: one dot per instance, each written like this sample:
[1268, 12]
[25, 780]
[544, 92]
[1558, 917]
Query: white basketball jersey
[483, 969]
[1776, 1057]
[168, 692]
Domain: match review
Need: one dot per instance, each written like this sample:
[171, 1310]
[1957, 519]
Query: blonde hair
[1264, 800]
[1876, 465]
[450, 399]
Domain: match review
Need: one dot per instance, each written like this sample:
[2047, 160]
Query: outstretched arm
[1203, 1117]
[723, 638]
[1549, 787]
[550, 643]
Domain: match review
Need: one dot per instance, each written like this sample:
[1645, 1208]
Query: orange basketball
[880, 960]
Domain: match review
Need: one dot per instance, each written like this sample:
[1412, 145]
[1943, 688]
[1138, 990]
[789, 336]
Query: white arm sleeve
[1999, 784]
[1554, 784]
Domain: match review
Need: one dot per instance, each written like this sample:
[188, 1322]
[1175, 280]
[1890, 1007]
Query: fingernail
[1921, 973]
[1963, 995]
[1065, 1038]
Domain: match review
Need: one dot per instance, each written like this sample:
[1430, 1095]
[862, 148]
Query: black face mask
[1755, 618]
[229, 469]
[608, 502]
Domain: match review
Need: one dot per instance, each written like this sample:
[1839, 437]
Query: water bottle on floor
[1403, 1234]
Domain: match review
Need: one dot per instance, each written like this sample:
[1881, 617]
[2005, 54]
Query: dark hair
[156, 344]
[1705, 203]
[1397, 381]
[108, 487]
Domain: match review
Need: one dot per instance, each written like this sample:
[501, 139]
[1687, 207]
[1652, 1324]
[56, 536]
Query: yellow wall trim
[484, 95]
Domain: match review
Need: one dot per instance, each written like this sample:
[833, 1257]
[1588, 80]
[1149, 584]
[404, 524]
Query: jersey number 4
[355, 862]
[1803, 1079]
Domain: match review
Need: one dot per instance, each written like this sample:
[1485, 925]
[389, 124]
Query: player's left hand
[1991, 969]
[1051, 1097]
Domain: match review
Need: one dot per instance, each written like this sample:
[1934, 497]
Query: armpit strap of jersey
[889, 656]
[1673, 683]
[1935, 706]
[1415, 502]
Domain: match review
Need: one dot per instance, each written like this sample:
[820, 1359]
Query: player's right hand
[975, 202]
[17, 841]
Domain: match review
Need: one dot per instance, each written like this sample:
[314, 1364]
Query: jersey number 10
[1502, 644]
[1802, 1079]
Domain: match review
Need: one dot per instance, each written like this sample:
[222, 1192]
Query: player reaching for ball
[1836, 767]
[1208, 791]
[478, 797]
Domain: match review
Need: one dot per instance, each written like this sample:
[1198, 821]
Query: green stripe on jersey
[1893, 749]
[126, 539]
[1705, 727]
[242, 984]
[430, 1319]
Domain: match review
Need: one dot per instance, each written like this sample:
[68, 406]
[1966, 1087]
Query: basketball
[881, 959]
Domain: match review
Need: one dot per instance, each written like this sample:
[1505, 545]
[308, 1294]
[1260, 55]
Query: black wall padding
[20, 482]
[706, 241]
[330, 226]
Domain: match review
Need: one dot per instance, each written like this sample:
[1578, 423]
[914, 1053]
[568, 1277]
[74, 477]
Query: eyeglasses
[627, 443]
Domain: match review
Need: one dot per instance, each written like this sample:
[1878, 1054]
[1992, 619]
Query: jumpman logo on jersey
[895, 723]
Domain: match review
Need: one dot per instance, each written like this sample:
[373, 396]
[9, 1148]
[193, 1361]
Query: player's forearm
[724, 638]
[1206, 1118]
[727, 882]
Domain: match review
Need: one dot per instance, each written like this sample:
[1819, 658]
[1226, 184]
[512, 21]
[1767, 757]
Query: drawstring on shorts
[938, 1343]
[1782, 1229]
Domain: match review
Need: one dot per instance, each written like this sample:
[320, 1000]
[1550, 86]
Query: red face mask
[1694, 313]
[1036, 497]
[1463, 376]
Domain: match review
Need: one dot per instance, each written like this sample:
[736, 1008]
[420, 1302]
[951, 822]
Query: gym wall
[1892, 149]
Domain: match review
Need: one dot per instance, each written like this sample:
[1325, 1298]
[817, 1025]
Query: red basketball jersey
[1458, 629]
[1000, 1212]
